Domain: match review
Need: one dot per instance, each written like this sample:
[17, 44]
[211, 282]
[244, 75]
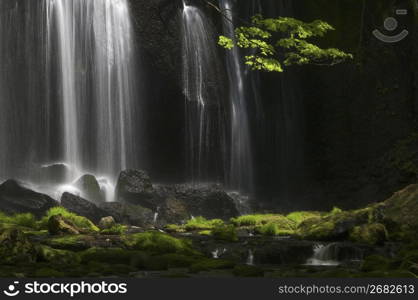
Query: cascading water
[67, 87]
[241, 170]
[204, 113]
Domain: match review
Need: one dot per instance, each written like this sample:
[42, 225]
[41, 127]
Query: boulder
[372, 234]
[107, 222]
[209, 201]
[82, 207]
[90, 188]
[54, 173]
[16, 248]
[135, 187]
[14, 198]
[130, 214]
[59, 225]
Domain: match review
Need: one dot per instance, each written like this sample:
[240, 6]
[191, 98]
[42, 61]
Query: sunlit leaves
[279, 42]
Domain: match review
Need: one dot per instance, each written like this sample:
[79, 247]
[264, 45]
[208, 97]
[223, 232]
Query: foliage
[281, 42]
[79, 221]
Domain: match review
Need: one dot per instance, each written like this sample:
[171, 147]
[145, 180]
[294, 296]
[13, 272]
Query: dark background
[343, 135]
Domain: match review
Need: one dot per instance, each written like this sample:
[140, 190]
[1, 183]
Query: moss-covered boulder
[399, 214]
[59, 225]
[372, 234]
[15, 248]
[107, 222]
[335, 225]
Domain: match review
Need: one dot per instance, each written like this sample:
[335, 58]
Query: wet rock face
[90, 188]
[209, 201]
[14, 198]
[130, 214]
[135, 187]
[82, 207]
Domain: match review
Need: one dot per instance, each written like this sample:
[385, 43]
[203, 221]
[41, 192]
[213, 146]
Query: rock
[333, 226]
[54, 173]
[14, 198]
[59, 225]
[209, 201]
[372, 234]
[107, 222]
[135, 187]
[130, 214]
[400, 211]
[90, 188]
[16, 248]
[82, 207]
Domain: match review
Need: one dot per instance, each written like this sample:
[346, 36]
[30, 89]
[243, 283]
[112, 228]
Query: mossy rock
[59, 225]
[57, 257]
[335, 225]
[158, 243]
[248, 271]
[371, 234]
[401, 210]
[69, 242]
[225, 233]
[16, 248]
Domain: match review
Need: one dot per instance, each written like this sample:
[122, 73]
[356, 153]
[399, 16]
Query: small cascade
[250, 258]
[155, 218]
[323, 256]
[335, 254]
[218, 252]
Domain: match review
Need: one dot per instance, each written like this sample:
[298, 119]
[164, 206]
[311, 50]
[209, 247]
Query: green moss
[158, 243]
[79, 221]
[208, 264]
[69, 242]
[300, 216]
[24, 220]
[248, 271]
[200, 223]
[281, 221]
[316, 229]
[57, 257]
[372, 234]
[175, 228]
[205, 232]
[116, 229]
[225, 233]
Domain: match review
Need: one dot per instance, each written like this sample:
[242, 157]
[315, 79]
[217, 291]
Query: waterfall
[67, 87]
[323, 256]
[202, 85]
[241, 170]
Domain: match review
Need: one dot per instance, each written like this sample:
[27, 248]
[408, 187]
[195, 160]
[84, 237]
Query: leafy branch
[281, 42]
